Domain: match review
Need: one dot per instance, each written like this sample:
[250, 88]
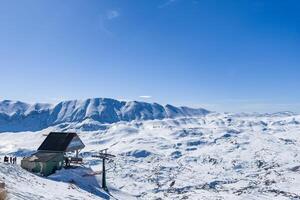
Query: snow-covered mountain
[19, 116]
[216, 156]
[162, 152]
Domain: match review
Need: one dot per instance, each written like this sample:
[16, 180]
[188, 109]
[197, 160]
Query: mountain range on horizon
[18, 116]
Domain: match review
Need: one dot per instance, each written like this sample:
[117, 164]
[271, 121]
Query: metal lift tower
[104, 156]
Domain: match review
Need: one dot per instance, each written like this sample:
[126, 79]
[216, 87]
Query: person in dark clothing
[10, 159]
[67, 162]
[15, 160]
[5, 159]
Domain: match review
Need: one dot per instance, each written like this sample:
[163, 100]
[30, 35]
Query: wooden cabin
[51, 155]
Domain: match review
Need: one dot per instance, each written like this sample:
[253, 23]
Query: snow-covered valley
[213, 156]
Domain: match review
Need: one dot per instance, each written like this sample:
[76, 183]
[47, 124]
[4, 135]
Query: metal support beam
[103, 175]
[104, 156]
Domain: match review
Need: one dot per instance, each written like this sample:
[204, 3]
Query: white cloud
[166, 3]
[105, 18]
[145, 97]
[112, 14]
[123, 99]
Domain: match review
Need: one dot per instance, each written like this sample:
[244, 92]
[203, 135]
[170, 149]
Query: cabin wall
[44, 168]
[50, 167]
[35, 167]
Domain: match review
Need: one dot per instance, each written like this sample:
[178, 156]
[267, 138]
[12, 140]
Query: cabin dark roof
[60, 141]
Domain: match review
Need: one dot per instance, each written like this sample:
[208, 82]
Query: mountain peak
[20, 116]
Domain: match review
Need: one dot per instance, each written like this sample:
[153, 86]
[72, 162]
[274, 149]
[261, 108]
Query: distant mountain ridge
[18, 116]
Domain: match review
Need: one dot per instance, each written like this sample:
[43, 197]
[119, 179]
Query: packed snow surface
[216, 156]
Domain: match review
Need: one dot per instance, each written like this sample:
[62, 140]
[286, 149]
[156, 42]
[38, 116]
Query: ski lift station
[52, 153]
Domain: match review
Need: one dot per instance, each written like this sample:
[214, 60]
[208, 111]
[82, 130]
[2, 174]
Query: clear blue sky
[241, 55]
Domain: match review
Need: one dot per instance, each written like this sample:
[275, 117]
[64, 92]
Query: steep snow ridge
[17, 107]
[144, 111]
[19, 116]
[13, 107]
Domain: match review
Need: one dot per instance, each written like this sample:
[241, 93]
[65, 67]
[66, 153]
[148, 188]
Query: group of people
[12, 160]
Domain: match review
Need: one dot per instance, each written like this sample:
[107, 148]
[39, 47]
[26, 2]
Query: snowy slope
[65, 184]
[19, 116]
[216, 156]
[24, 185]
